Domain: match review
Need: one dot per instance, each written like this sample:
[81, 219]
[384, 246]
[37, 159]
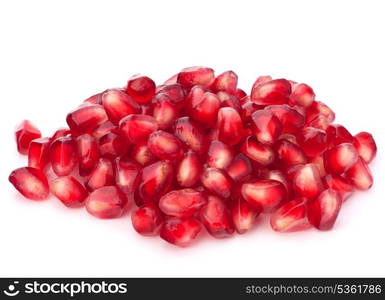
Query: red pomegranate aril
[191, 134]
[87, 118]
[164, 145]
[340, 158]
[264, 194]
[240, 168]
[189, 170]
[61, 132]
[94, 99]
[176, 93]
[101, 175]
[307, 181]
[230, 127]
[25, 132]
[106, 202]
[88, 153]
[147, 219]
[323, 211]
[280, 176]
[291, 216]
[359, 175]
[137, 128]
[217, 182]
[165, 112]
[302, 94]
[171, 80]
[319, 162]
[313, 141]
[318, 109]
[239, 93]
[141, 154]
[243, 215]
[147, 109]
[182, 203]
[38, 153]
[320, 122]
[258, 152]
[266, 125]
[339, 184]
[118, 105]
[191, 76]
[261, 80]
[69, 191]
[127, 174]
[30, 182]
[365, 145]
[247, 110]
[291, 120]
[271, 92]
[205, 109]
[288, 154]
[338, 134]
[228, 100]
[103, 129]
[63, 156]
[141, 88]
[219, 155]
[112, 145]
[227, 81]
[180, 232]
[216, 218]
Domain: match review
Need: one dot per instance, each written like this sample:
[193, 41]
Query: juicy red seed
[205, 109]
[243, 215]
[323, 211]
[319, 162]
[106, 202]
[228, 100]
[127, 174]
[260, 153]
[101, 175]
[189, 77]
[339, 184]
[313, 141]
[338, 134]
[239, 93]
[247, 110]
[319, 109]
[279, 176]
[61, 132]
[30, 182]
[141, 88]
[118, 105]
[94, 99]
[180, 232]
[289, 154]
[171, 80]
[103, 129]
[164, 112]
[216, 218]
[264, 194]
[302, 94]
[240, 168]
[227, 81]
[38, 153]
[267, 127]
[307, 181]
[164, 145]
[137, 128]
[291, 216]
[176, 93]
[63, 156]
[88, 153]
[141, 154]
[25, 132]
[219, 155]
[195, 95]
[112, 145]
[191, 134]
[217, 182]
[69, 191]
[189, 170]
[147, 219]
[365, 145]
[230, 127]
[271, 92]
[147, 109]
[291, 120]
[87, 118]
[262, 79]
[359, 175]
[340, 158]
[182, 203]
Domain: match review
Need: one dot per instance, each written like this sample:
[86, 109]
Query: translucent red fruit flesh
[69, 191]
[137, 128]
[319, 162]
[25, 132]
[216, 217]
[61, 132]
[204, 109]
[103, 129]
[260, 153]
[87, 152]
[106, 202]
[217, 181]
[271, 92]
[118, 105]
[86, 118]
[323, 211]
[264, 194]
[101, 175]
[302, 94]
[266, 126]
[191, 134]
[288, 154]
[30, 182]
[127, 174]
[291, 120]
[280, 177]
[339, 184]
[165, 112]
[340, 158]
[164, 145]
[180, 232]
[313, 141]
[182, 203]
[291, 216]
[359, 175]
[307, 181]
[191, 76]
[147, 219]
[240, 168]
[94, 99]
[38, 153]
[365, 145]
[239, 93]
[243, 215]
[338, 134]
[141, 154]
[228, 100]
[176, 94]
[63, 156]
[141, 88]
[219, 155]
[230, 126]
[112, 145]
[189, 169]
[227, 81]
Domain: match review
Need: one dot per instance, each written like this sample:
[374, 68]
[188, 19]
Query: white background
[54, 54]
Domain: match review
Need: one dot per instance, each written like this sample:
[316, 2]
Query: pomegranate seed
[69, 191]
[279, 176]
[302, 94]
[112, 145]
[88, 153]
[227, 81]
[94, 99]
[61, 132]
[103, 129]
[323, 211]
[319, 122]
[264, 194]
[219, 155]
[142, 154]
[147, 109]
[291, 216]
[141, 88]
[164, 145]
[189, 170]
[338, 134]
[267, 127]
[30, 182]
[229, 125]
[127, 174]
[365, 145]
[147, 219]
[25, 132]
[164, 112]
[38, 153]
[248, 108]
[87, 118]
[182, 203]
[289, 154]
[271, 92]
[258, 152]
[318, 109]
[176, 93]
[262, 79]
[205, 109]
[291, 120]
[118, 105]
[313, 141]
[240, 168]
[243, 215]
[339, 159]
[239, 93]
[191, 135]
[106, 202]
[319, 162]
[189, 77]
[171, 80]
[217, 182]
[216, 218]
[339, 184]
[63, 156]
[359, 175]
[307, 181]
[137, 128]
[180, 232]
[228, 100]
[101, 175]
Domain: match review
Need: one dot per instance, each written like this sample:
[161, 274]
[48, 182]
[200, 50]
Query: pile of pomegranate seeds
[198, 152]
